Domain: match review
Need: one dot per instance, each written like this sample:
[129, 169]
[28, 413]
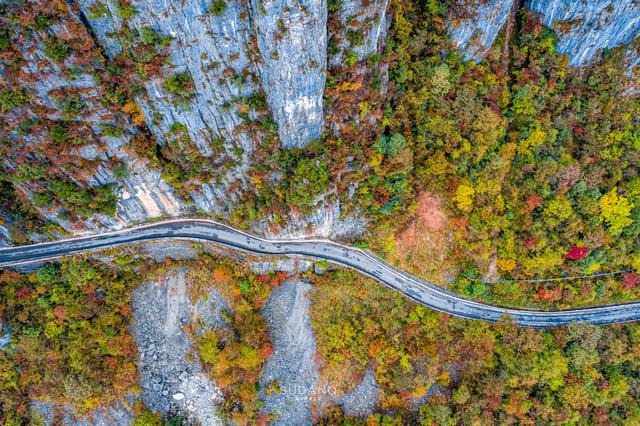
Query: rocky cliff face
[228, 84]
[363, 28]
[212, 49]
[223, 50]
[584, 27]
[64, 129]
[478, 25]
[233, 52]
[292, 44]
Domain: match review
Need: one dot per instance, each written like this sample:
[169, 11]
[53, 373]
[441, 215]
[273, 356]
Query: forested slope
[118, 112]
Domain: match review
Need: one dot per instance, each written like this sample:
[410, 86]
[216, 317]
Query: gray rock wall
[214, 50]
[207, 46]
[370, 18]
[145, 195]
[292, 42]
[475, 34]
[591, 25]
[327, 220]
[141, 194]
[231, 54]
[584, 27]
[290, 38]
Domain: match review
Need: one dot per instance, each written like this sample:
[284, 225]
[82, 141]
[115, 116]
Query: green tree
[310, 179]
[181, 86]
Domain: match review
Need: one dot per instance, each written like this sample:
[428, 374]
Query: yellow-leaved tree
[615, 210]
[465, 195]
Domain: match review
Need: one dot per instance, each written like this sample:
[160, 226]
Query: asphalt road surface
[362, 261]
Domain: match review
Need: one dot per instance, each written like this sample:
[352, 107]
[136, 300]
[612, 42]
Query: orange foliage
[222, 274]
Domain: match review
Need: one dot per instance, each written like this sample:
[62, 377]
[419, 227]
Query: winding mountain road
[362, 261]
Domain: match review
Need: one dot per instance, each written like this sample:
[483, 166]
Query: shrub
[334, 5]
[29, 172]
[464, 197]
[10, 99]
[111, 130]
[391, 145]
[147, 418]
[84, 201]
[181, 86]
[125, 10]
[121, 171]
[208, 346]
[55, 49]
[98, 10]
[351, 58]
[355, 38]
[310, 179]
[257, 101]
[5, 40]
[42, 199]
[217, 7]
[71, 104]
[43, 21]
[58, 132]
[149, 36]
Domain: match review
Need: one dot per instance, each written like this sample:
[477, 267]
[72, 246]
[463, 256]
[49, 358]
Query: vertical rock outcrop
[213, 48]
[75, 135]
[210, 47]
[584, 27]
[478, 25]
[327, 220]
[292, 42]
[363, 28]
[232, 51]
[145, 195]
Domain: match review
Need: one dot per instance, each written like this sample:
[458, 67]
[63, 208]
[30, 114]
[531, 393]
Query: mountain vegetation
[531, 156]
[475, 372]
[69, 339]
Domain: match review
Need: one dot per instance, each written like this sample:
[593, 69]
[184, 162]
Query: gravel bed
[292, 362]
[363, 399]
[113, 415]
[171, 383]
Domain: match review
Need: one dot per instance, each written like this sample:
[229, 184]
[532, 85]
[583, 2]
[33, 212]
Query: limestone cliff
[212, 49]
[585, 28]
[64, 129]
[478, 25]
[292, 44]
[213, 90]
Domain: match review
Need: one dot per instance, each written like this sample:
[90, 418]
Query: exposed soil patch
[422, 247]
